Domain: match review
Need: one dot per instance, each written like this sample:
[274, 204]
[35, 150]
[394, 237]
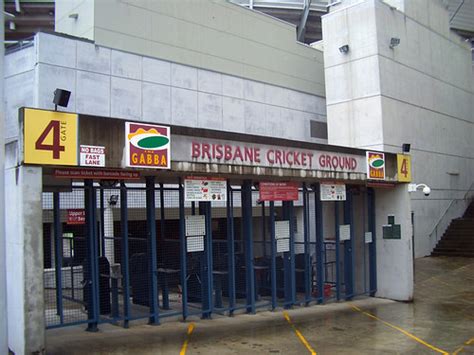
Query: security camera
[426, 190]
[414, 187]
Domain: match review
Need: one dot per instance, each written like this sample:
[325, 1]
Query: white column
[3, 288]
[24, 257]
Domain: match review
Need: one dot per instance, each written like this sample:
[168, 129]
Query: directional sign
[404, 167]
[50, 138]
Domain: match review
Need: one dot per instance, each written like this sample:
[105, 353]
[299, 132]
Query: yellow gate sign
[404, 167]
[50, 138]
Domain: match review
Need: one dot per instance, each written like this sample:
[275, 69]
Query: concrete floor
[440, 320]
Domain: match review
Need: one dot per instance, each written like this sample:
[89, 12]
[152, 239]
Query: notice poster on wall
[333, 192]
[368, 237]
[76, 216]
[205, 189]
[282, 236]
[278, 191]
[344, 232]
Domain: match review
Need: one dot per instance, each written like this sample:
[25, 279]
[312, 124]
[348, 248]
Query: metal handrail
[449, 207]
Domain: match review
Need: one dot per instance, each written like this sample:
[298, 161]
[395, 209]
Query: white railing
[454, 210]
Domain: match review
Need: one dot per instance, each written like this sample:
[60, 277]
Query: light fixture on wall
[394, 41]
[344, 49]
[406, 148]
[61, 98]
[74, 16]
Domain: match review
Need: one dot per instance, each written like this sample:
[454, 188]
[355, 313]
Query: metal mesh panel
[168, 252]
[65, 278]
[138, 253]
[240, 252]
[110, 281]
[261, 251]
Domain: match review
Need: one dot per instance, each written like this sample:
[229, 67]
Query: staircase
[458, 240]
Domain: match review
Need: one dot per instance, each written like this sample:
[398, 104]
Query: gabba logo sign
[375, 165]
[147, 146]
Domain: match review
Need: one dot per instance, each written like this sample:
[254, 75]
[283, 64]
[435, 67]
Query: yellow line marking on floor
[298, 334]
[458, 350]
[400, 330]
[185, 344]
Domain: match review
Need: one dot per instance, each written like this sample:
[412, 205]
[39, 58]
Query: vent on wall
[318, 129]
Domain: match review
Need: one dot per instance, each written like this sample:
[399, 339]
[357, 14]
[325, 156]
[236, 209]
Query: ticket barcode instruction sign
[50, 137]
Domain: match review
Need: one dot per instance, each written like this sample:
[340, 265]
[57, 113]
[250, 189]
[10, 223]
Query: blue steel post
[102, 223]
[273, 251]
[338, 273]
[349, 248]
[152, 264]
[182, 243]
[230, 248]
[372, 246]
[289, 258]
[292, 252]
[264, 231]
[318, 206]
[125, 254]
[206, 261]
[58, 256]
[248, 240]
[165, 293]
[92, 258]
[307, 251]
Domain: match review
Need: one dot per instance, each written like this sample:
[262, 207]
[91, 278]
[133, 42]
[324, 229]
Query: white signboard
[282, 229]
[333, 192]
[91, 155]
[205, 189]
[226, 152]
[194, 244]
[195, 226]
[283, 245]
[368, 237]
[282, 236]
[344, 232]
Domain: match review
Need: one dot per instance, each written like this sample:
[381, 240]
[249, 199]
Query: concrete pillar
[394, 256]
[3, 295]
[109, 234]
[24, 256]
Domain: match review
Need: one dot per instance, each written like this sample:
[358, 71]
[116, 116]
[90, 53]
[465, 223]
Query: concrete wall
[112, 83]
[3, 289]
[419, 92]
[395, 276]
[208, 34]
[83, 25]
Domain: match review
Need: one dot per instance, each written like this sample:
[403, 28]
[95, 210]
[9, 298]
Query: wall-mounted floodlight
[74, 16]
[394, 41]
[61, 98]
[414, 187]
[406, 147]
[344, 49]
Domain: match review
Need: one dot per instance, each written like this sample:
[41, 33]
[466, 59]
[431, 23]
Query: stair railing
[452, 211]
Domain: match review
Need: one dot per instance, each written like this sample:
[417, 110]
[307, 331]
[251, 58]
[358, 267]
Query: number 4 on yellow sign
[50, 138]
[404, 167]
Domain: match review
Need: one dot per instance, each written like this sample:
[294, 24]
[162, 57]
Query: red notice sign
[77, 216]
[278, 191]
